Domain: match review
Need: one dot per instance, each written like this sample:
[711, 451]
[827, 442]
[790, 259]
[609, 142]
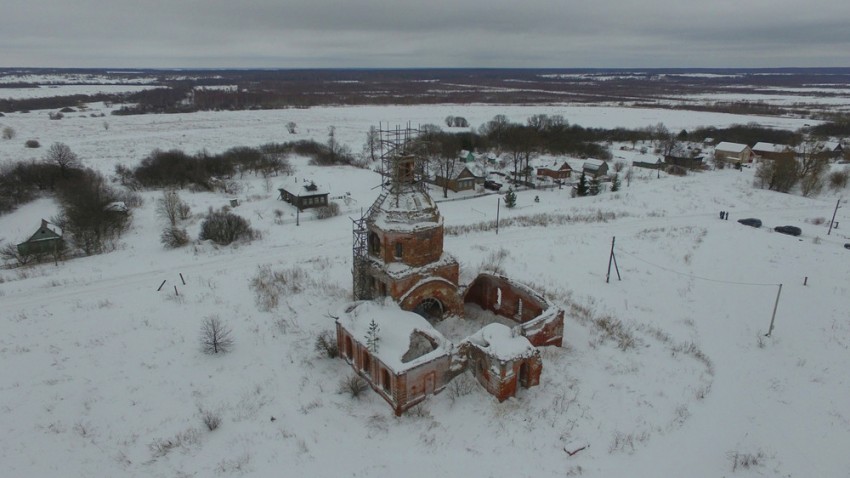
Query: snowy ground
[664, 373]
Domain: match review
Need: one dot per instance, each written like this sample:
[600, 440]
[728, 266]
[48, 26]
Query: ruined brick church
[404, 281]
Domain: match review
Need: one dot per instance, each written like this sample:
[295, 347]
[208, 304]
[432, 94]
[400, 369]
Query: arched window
[374, 244]
[399, 250]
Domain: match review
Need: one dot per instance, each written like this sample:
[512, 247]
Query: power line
[692, 276]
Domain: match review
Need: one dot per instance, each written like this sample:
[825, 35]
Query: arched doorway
[523, 375]
[430, 308]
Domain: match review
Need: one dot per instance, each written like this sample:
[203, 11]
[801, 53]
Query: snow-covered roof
[593, 164]
[831, 145]
[502, 342]
[117, 206]
[770, 147]
[730, 147]
[298, 187]
[52, 228]
[395, 329]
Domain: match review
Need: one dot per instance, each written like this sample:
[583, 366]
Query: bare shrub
[838, 179]
[215, 336]
[326, 344]
[495, 260]
[420, 410]
[211, 419]
[31, 143]
[270, 285]
[168, 206]
[278, 216]
[8, 132]
[224, 227]
[174, 237]
[353, 385]
[162, 446]
[746, 460]
[291, 127]
[612, 328]
[461, 386]
[325, 212]
[10, 253]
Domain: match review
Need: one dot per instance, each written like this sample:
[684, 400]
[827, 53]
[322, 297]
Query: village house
[46, 240]
[831, 150]
[773, 151]
[303, 194]
[460, 178]
[595, 168]
[561, 173]
[733, 152]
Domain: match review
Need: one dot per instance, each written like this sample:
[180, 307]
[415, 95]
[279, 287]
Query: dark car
[750, 221]
[847, 246]
[490, 184]
[790, 230]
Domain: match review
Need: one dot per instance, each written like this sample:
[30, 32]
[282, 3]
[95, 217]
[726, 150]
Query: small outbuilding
[595, 168]
[46, 240]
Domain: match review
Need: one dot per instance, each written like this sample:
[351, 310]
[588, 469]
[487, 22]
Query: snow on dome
[406, 211]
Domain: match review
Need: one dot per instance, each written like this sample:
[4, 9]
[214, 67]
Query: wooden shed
[46, 240]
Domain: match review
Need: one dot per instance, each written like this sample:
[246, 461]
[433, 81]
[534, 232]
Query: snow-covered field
[103, 375]
[65, 90]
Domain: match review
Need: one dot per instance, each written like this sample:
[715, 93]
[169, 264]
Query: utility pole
[772, 318]
[613, 258]
[498, 203]
[832, 222]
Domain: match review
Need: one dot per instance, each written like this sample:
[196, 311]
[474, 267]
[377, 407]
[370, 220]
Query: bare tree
[777, 174]
[8, 132]
[168, 207]
[86, 215]
[372, 146]
[812, 169]
[215, 336]
[61, 155]
[291, 127]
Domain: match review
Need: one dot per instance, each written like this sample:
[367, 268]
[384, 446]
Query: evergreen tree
[510, 198]
[615, 183]
[372, 337]
[581, 189]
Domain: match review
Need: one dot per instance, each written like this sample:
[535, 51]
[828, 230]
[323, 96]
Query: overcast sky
[429, 33]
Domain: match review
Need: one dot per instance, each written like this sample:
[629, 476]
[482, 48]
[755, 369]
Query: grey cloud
[403, 33]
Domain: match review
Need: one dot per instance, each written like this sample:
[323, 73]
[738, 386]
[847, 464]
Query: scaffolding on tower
[402, 171]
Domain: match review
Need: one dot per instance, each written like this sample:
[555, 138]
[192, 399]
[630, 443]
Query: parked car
[790, 230]
[493, 185]
[847, 246]
[750, 221]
